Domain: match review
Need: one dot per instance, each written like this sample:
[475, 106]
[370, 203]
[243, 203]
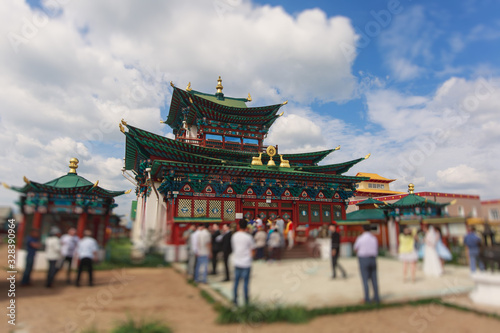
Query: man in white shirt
[203, 253]
[53, 254]
[69, 243]
[366, 247]
[87, 253]
[242, 245]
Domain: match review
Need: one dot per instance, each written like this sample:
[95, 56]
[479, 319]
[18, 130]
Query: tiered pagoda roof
[143, 145]
[69, 184]
[190, 105]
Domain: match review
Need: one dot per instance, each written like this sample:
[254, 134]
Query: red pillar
[37, 220]
[82, 220]
[20, 232]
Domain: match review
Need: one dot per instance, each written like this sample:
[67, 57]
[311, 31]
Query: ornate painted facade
[217, 170]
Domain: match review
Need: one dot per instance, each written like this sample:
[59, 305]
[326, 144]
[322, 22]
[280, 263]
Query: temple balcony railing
[224, 144]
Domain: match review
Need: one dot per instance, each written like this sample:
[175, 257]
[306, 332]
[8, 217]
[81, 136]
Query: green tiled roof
[226, 101]
[366, 214]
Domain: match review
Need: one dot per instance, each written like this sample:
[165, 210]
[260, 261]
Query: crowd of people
[60, 250]
[250, 240]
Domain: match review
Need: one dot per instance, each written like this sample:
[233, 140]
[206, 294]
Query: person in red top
[289, 233]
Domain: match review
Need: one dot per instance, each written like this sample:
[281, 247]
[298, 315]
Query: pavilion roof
[142, 145]
[413, 200]
[366, 214]
[69, 184]
[261, 171]
[370, 201]
[217, 108]
[338, 168]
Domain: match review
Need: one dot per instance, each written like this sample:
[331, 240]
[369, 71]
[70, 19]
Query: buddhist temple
[64, 202]
[219, 170]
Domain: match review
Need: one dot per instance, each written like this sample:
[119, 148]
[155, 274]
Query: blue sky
[414, 83]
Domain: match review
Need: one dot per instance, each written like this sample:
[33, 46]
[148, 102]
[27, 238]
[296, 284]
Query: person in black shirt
[216, 247]
[335, 251]
[226, 247]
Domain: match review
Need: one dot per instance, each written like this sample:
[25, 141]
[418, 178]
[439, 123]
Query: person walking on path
[289, 233]
[242, 244]
[407, 252]
[53, 254]
[366, 247]
[87, 254]
[226, 248]
[216, 247]
[69, 243]
[260, 243]
[336, 251]
[32, 245]
[473, 243]
[432, 263]
[203, 248]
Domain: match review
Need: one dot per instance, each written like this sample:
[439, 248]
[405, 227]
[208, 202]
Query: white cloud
[68, 79]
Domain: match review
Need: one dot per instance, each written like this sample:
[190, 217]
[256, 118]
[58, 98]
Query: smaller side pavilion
[69, 201]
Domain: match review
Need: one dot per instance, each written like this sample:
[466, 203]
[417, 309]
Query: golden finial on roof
[337, 148]
[26, 180]
[121, 128]
[6, 185]
[219, 86]
[285, 102]
[95, 184]
[73, 164]
[367, 156]
[124, 122]
[172, 84]
[162, 122]
[249, 98]
[188, 88]
[128, 191]
[281, 114]
[411, 188]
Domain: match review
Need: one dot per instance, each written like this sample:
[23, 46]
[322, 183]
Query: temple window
[494, 214]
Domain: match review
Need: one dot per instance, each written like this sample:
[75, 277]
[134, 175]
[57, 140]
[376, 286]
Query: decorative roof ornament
[124, 122]
[172, 84]
[188, 88]
[281, 114]
[26, 180]
[285, 102]
[6, 185]
[368, 156]
[95, 184]
[284, 163]
[337, 148]
[73, 164]
[271, 151]
[121, 128]
[257, 160]
[219, 86]
[249, 98]
[411, 188]
[128, 191]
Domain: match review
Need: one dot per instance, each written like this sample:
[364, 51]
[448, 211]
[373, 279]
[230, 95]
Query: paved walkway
[308, 282]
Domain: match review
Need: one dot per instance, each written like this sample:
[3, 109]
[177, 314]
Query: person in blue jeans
[473, 243]
[204, 251]
[242, 244]
[32, 245]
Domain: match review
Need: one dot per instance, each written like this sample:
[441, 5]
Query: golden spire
[219, 86]
[249, 98]
[411, 188]
[188, 88]
[367, 156]
[73, 164]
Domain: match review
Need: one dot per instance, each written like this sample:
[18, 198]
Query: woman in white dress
[432, 264]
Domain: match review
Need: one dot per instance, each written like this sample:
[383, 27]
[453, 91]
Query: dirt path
[163, 294]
